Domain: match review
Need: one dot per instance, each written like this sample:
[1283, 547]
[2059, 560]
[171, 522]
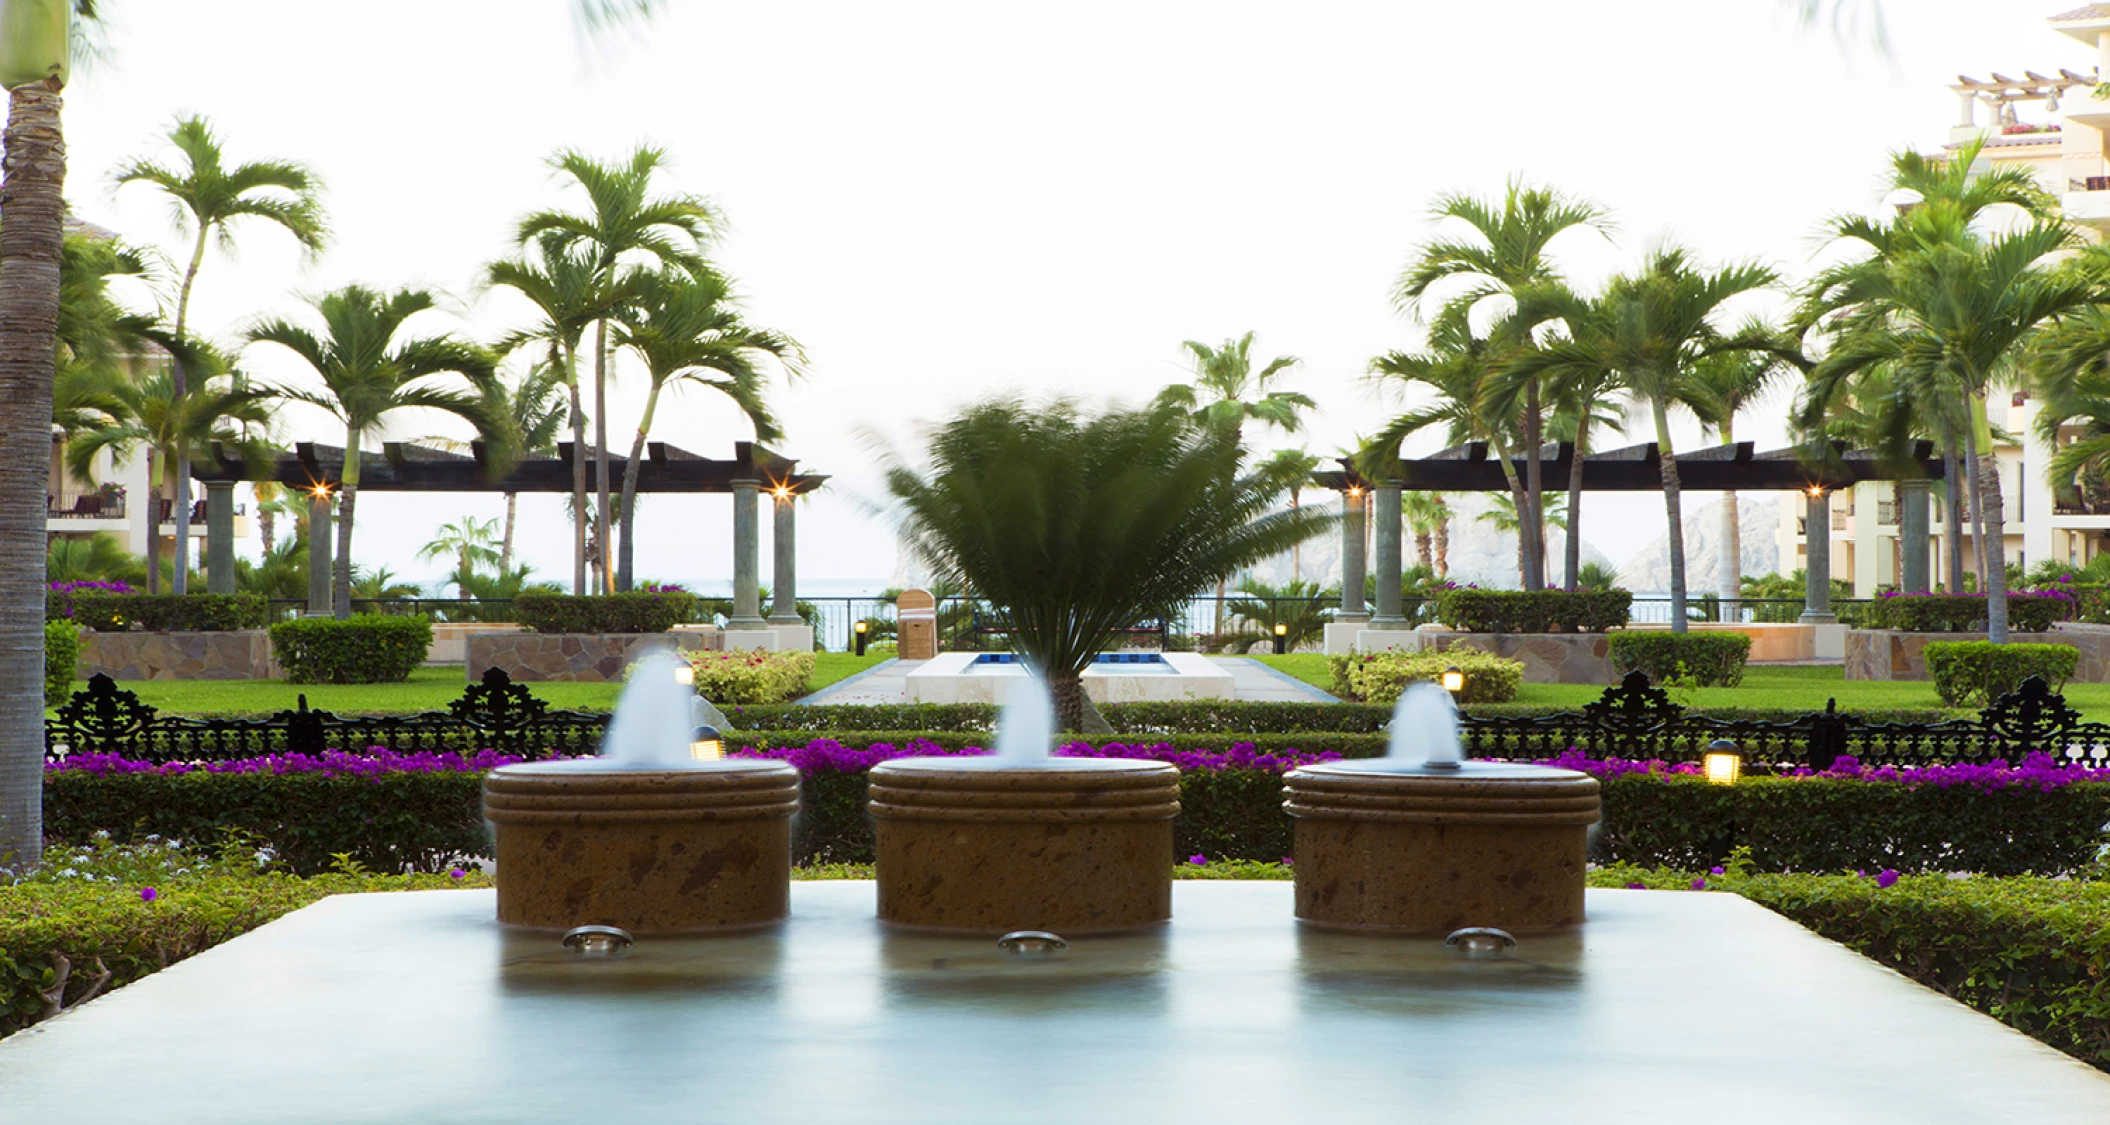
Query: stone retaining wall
[1891, 654]
[586, 658]
[235, 654]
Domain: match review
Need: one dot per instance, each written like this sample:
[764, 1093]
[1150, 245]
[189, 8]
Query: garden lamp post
[1723, 763]
[1281, 638]
[864, 630]
[1454, 681]
[707, 745]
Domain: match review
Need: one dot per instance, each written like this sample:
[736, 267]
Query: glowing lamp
[1722, 763]
[707, 745]
[783, 493]
[1453, 679]
[685, 675]
[1281, 630]
[864, 626]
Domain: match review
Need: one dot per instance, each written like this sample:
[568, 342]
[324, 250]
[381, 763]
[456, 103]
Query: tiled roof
[2089, 12]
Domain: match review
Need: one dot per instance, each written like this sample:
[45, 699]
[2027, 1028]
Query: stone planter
[234, 654]
[974, 845]
[450, 639]
[584, 658]
[1892, 654]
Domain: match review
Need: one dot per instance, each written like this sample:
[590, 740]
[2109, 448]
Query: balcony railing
[2089, 183]
[88, 508]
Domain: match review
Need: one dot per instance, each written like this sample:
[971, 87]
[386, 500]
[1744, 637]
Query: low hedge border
[365, 648]
[1534, 611]
[1381, 677]
[1703, 659]
[1974, 673]
[158, 613]
[640, 611]
[62, 658]
[2028, 611]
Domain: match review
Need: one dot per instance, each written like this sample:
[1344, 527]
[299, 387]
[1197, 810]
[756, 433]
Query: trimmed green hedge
[640, 611]
[365, 648]
[1534, 611]
[160, 613]
[62, 658]
[1708, 659]
[1974, 673]
[1964, 613]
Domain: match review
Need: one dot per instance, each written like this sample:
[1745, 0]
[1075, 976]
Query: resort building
[2054, 126]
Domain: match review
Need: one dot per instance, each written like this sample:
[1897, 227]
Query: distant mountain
[1758, 518]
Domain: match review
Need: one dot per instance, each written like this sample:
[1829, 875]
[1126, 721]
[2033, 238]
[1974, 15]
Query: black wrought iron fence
[1633, 719]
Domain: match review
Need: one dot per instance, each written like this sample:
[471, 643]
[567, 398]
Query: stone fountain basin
[1667, 1007]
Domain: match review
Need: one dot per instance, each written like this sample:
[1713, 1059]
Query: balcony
[86, 508]
[2087, 200]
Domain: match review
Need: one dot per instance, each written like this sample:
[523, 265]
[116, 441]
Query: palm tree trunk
[1572, 562]
[153, 552]
[629, 520]
[1995, 581]
[266, 524]
[341, 567]
[1442, 536]
[1068, 693]
[1422, 549]
[1296, 553]
[505, 549]
[32, 198]
[600, 449]
[1952, 521]
[1978, 525]
[578, 491]
[1534, 517]
[1730, 580]
[1674, 511]
[179, 385]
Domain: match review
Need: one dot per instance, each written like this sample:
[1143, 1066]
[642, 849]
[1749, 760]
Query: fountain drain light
[598, 941]
[1481, 943]
[1031, 943]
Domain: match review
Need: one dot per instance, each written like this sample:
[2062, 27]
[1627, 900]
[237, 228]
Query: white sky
[942, 201]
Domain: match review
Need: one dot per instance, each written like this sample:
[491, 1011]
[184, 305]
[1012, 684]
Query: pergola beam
[1635, 468]
[407, 467]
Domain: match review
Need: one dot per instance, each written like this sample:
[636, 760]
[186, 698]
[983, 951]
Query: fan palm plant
[369, 369]
[100, 557]
[1077, 527]
[470, 542]
[211, 197]
[1504, 255]
[1301, 608]
[625, 224]
[684, 326]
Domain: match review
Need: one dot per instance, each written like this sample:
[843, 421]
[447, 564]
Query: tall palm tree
[1077, 527]
[1719, 388]
[1653, 326]
[470, 542]
[563, 286]
[625, 224]
[370, 369]
[684, 326]
[1584, 396]
[1501, 513]
[1504, 255]
[211, 198]
[534, 407]
[1295, 467]
[1430, 516]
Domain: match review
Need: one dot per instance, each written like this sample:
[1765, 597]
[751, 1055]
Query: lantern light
[707, 745]
[1453, 679]
[863, 629]
[1724, 765]
[685, 675]
[1281, 630]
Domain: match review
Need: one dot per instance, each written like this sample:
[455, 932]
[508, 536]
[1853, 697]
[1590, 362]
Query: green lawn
[1788, 688]
[428, 689]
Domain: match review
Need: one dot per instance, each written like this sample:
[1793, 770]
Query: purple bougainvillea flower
[1635, 887]
[148, 894]
[1288, 862]
[1699, 884]
[1886, 877]
[1718, 870]
[1198, 860]
[456, 873]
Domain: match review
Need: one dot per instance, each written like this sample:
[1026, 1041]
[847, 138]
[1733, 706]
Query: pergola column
[747, 546]
[784, 545]
[219, 536]
[1913, 536]
[319, 553]
[1352, 557]
[1817, 561]
[1387, 516]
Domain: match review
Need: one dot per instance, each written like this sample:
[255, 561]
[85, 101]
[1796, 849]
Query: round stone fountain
[1423, 841]
[1023, 840]
[645, 837]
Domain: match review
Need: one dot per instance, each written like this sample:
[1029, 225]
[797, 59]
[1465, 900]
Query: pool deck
[1663, 1008]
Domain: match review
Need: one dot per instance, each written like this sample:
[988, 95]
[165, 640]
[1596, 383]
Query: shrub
[1379, 677]
[2028, 611]
[58, 596]
[1708, 659]
[365, 648]
[1974, 673]
[1534, 611]
[157, 613]
[62, 658]
[640, 611]
[753, 676]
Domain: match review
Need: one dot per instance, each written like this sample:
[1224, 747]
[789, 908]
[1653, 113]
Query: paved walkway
[1250, 680]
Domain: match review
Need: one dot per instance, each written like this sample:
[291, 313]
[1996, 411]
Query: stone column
[784, 545]
[1352, 558]
[219, 536]
[1913, 543]
[319, 555]
[1817, 563]
[747, 545]
[1387, 516]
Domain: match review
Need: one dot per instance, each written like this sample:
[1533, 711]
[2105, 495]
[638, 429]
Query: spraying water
[1025, 732]
[655, 718]
[1425, 729]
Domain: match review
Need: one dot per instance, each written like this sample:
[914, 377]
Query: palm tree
[470, 542]
[369, 370]
[1721, 386]
[1295, 467]
[685, 328]
[1430, 517]
[1651, 328]
[1502, 514]
[95, 558]
[1504, 256]
[562, 286]
[532, 405]
[625, 224]
[1077, 527]
[211, 197]
[1303, 608]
